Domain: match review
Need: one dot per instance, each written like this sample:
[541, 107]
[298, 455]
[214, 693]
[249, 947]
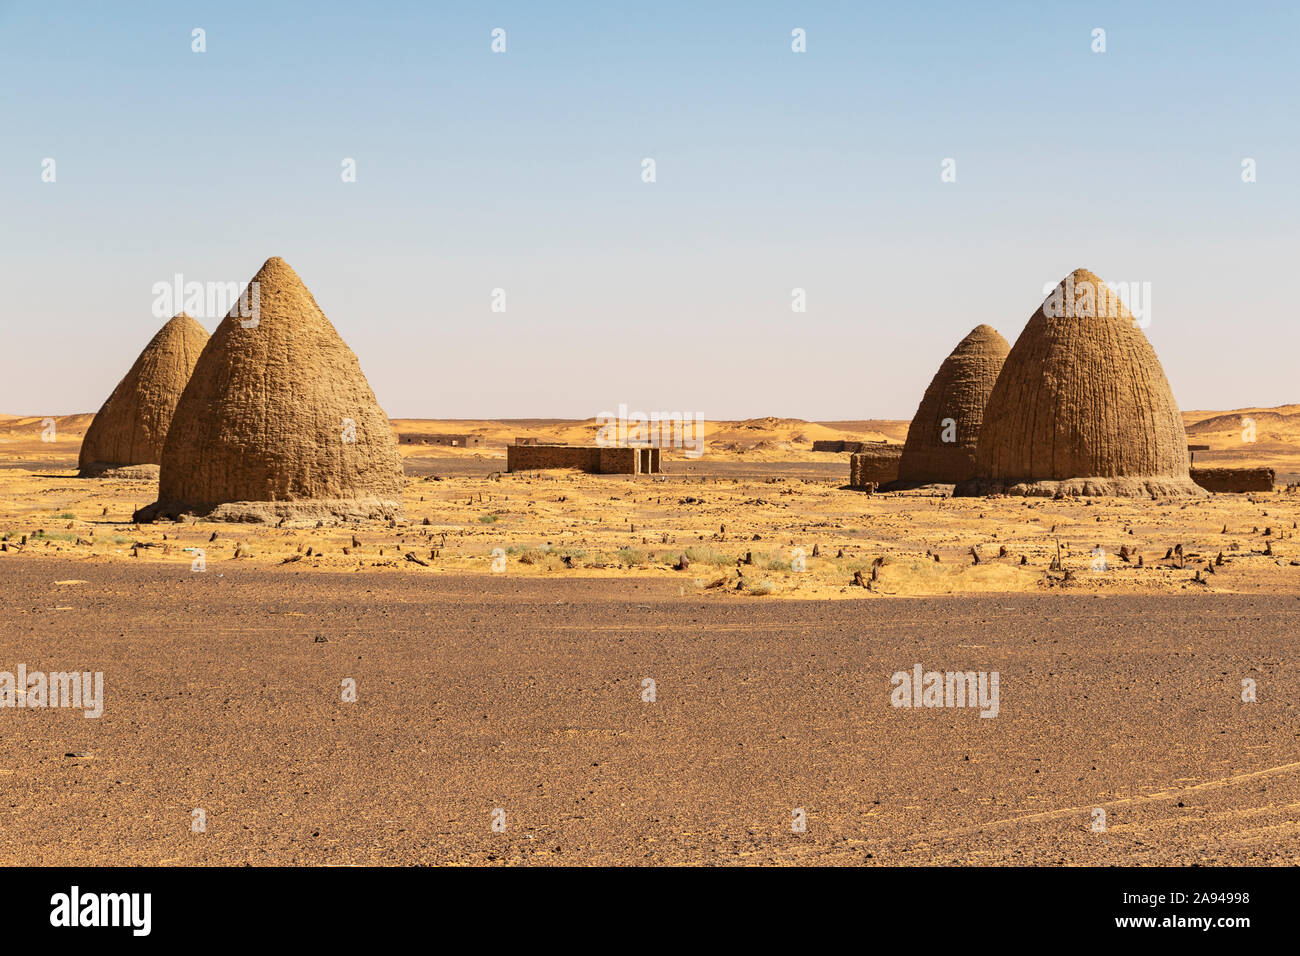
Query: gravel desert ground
[478, 694]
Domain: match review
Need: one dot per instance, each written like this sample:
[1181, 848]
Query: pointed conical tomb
[941, 440]
[129, 429]
[1082, 406]
[278, 420]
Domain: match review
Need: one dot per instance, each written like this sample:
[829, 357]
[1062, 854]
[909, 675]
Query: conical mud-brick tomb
[128, 431]
[278, 420]
[941, 440]
[1082, 406]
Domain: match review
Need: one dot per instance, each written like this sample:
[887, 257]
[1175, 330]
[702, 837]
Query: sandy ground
[479, 693]
[573, 525]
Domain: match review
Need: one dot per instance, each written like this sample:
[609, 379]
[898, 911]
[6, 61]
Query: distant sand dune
[767, 438]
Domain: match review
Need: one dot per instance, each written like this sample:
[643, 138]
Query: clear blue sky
[776, 170]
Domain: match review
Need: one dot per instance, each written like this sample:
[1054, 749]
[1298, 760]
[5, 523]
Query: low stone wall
[535, 457]
[1234, 480]
[841, 445]
[876, 465]
[596, 460]
[461, 441]
[618, 461]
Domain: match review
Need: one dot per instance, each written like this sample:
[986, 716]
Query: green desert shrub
[632, 557]
[703, 554]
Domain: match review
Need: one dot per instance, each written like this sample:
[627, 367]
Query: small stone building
[1234, 480]
[457, 441]
[876, 464]
[589, 458]
[839, 445]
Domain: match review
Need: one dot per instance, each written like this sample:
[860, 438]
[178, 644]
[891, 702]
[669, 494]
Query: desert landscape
[1061, 462]
[738, 515]
[500, 633]
[621, 437]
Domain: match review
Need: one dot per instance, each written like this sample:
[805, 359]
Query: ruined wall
[619, 461]
[462, 441]
[841, 445]
[877, 464]
[603, 461]
[1234, 479]
[533, 457]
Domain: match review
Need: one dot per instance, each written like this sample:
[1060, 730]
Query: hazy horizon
[775, 170]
